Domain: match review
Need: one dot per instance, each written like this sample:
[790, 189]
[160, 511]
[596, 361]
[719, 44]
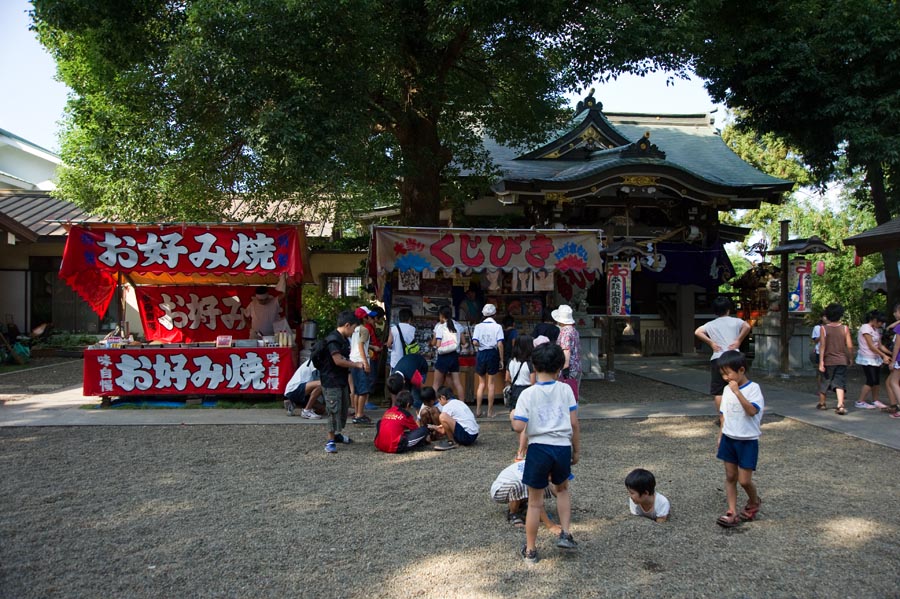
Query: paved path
[63, 408]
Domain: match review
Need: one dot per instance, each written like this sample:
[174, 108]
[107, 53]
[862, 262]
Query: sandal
[729, 520]
[821, 406]
[748, 514]
[840, 411]
[516, 520]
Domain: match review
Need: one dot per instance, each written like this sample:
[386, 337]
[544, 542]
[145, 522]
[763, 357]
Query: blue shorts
[743, 452]
[447, 362]
[362, 381]
[297, 395]
[462, 436]
[487, 362]
[543, 461]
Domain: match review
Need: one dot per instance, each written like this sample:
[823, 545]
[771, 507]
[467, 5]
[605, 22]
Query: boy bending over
[457, 422]
[508, 488]
[547, 412]
[742, 410]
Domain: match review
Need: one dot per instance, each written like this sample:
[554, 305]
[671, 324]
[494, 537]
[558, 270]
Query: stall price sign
[152, 371]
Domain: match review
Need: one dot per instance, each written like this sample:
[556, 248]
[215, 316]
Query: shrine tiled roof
[685, 143]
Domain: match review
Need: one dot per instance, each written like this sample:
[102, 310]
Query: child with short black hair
[738, 443]
[835, 347]
[547, 412]
[398, 431]
[457, 422]
[643, 500]
[429, 413]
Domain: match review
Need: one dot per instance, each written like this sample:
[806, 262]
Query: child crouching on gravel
[508, 488]
[738, 444]
[547, 412]
[643, 500]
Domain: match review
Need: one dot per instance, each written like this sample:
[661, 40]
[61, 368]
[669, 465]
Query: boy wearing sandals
[508, 488]
[738, 443]
[835, 349]
[547, 412]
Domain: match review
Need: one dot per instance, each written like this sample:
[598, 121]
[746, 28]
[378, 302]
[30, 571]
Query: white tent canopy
[878, 283]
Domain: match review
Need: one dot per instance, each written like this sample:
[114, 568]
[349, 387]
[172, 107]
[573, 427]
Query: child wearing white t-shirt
[547, 412]
[643, 500]
[738, 444]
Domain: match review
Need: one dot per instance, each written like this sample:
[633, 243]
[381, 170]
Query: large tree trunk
[424, 160]
[875, 177]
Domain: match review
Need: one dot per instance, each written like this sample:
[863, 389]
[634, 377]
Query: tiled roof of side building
[33, 215]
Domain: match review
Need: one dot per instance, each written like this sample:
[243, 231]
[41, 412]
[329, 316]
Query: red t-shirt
[391, 428]
[374, 341]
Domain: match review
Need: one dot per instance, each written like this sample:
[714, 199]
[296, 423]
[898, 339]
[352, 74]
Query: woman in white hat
[570, 342]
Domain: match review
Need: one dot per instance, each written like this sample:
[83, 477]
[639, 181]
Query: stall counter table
[187, 371]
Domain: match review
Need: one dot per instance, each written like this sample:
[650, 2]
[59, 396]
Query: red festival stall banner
[150, 371]
[188, 314]
[449, 250]
[96, 254]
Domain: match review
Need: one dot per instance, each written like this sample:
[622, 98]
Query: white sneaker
[862, 405]
[878, 404]
[309, 414]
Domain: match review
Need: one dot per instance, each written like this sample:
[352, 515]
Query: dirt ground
[263, 511]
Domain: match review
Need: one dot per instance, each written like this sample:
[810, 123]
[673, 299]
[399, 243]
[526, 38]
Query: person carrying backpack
[402, 338]
[331, 357]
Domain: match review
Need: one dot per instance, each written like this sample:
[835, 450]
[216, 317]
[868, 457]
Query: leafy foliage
[318, 305]
[179, 108]
[819, 73]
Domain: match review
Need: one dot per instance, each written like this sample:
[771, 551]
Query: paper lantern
[857, 260]
[820, 267]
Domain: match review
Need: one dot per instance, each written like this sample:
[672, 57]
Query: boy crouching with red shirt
[398, 431]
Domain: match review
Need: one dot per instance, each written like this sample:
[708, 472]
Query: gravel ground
[262, 511]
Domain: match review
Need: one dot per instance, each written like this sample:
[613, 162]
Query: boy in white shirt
[722, 334]
[457, 422]
[643, 500]
[547, 412]
[304, 382]
[738, 444]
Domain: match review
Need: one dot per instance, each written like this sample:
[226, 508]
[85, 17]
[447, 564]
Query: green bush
[318, 305]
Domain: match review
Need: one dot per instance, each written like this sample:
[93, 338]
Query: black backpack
[319, 354]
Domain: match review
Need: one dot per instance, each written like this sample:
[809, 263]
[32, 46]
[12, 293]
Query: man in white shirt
[722, 334]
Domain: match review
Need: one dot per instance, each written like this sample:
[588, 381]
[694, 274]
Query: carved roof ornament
[642, 148]
[589, 103]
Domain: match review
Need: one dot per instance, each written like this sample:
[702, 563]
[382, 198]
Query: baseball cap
[364, 311]
[489, 310]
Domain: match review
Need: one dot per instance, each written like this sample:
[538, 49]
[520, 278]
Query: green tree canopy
[819, 73]
[180, 107]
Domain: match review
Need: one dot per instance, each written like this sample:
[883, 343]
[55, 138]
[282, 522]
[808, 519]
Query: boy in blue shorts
[547, 412]
[741, 410]
[456, 421]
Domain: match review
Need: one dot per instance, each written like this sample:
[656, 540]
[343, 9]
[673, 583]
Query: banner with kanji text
[192, 313]
[95, 255]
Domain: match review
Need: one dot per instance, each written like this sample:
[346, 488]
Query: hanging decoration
[618, 289]
[799, 285]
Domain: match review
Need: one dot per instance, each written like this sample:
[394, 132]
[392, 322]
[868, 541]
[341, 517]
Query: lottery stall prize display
[193, 285]
[423, 269]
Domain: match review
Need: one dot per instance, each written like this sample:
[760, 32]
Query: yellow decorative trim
[639, 181]
[553, 154]
[559, 198]
[590, 134]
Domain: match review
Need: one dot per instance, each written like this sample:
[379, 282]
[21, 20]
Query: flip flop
[840, 411]
[821, 406]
